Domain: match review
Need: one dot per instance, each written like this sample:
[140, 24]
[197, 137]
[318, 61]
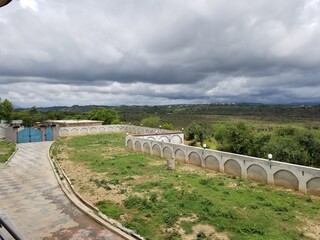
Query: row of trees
[107, 115]
[155, 122]
[287, 143]
[32, 115]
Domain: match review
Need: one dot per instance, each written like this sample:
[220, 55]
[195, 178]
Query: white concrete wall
[2, 130]
[168, 144]
[131, 129]
[291, 176]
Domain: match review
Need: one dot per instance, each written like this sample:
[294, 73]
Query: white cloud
[153, 51]
[32, 4]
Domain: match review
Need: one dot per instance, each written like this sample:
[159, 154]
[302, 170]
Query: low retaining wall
[151, 133]
[168, 144]
[290, 176]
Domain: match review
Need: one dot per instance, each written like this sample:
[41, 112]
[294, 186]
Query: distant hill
[242, 109]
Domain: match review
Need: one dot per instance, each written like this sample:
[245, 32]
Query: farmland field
[187, 203]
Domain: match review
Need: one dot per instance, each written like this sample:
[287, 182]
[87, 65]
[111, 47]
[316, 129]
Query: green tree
[25, 116]
[153, 122]
[311, 143]
[108, 116]
[36, 115]
[286, 149]
[288, 144]
[6, 110]
[235, 138]
[30, 116]
[55, 115]
[260, 139]
[167, 126]
[82, 116]
[195, 133]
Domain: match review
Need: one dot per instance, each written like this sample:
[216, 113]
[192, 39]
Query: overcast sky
[112, 52]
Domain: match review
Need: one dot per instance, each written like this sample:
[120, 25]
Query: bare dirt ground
[311, 228]
[83, 180]
[208, 230]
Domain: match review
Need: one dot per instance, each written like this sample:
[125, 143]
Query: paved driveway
[32, 200]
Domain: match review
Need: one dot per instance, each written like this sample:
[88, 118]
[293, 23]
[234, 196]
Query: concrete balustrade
[170, 145]
[290, 176]
[131, 129]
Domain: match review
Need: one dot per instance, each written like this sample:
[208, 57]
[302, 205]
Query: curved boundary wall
[290, 176]
[170, 145]
[129, 129]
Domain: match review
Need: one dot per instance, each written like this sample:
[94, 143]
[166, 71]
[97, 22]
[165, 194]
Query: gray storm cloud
[159, 52]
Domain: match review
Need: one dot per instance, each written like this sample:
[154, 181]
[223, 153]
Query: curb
[86, 207]
[9, 159]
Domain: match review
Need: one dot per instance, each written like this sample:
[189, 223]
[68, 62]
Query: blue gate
[49, 134]
[29, 135]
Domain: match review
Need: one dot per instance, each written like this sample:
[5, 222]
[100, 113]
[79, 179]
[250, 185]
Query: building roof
[74, 121]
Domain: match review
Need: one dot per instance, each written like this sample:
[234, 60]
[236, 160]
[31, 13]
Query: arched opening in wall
[313, 186]
[137, 146]
[156, 150]
[176, 139]
[180, 156]
[232, 167]
[117, 129]
[257, 173]
[130, 144]
[286, 179]
[93, 130]
[146, 148]
[102, 129]
[167, 153]
[212, 162]
[74, 131]
[194, 159]
[84, 131]
[110, 129]
[151, 138]
[164, 139]
[64, 132]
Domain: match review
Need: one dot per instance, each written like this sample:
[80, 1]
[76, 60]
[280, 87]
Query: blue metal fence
[29, 135]
[49, 134]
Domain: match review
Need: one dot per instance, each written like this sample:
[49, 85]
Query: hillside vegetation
[291, 133]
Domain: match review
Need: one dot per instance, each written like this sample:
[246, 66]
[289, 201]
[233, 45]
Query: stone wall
[291, 176]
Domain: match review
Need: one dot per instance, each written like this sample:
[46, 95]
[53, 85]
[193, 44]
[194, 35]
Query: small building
[75, 123]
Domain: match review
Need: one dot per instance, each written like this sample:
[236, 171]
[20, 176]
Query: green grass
[243, 209]
[6, 150]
